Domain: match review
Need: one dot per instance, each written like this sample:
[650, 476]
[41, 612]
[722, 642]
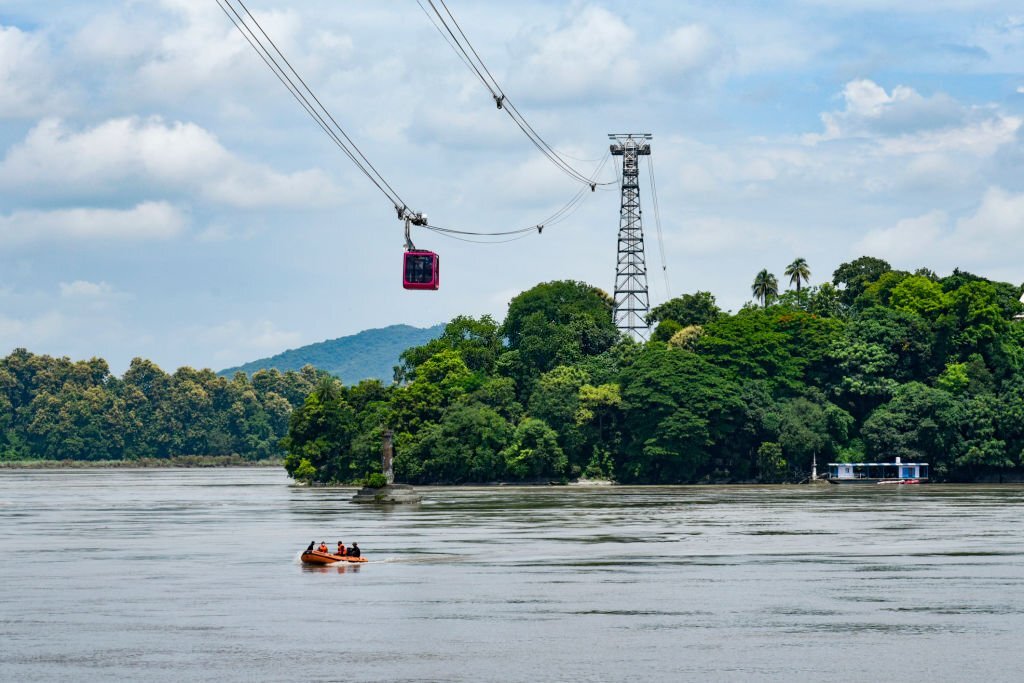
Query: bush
[375, 481]
[305, 471]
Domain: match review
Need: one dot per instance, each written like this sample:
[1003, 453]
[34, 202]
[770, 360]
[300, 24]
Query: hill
[367, 355]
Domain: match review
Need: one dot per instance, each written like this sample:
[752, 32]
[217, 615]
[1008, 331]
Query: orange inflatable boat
[317, 557]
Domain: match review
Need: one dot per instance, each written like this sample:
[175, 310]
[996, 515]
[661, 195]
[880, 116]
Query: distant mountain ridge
[370, 354]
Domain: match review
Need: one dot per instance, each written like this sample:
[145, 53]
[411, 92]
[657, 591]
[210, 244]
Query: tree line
[875, 364]
[57, 409]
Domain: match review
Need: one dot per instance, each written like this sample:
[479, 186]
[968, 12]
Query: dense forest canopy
[53, 408]
[875, 364]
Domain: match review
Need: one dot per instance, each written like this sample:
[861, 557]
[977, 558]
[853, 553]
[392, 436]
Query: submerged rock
[390, 494]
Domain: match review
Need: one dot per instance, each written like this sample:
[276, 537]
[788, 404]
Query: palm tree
[765, 287]
[327, 389]
[798, 271]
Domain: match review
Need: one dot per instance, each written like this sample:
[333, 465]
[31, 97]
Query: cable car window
[419, 269]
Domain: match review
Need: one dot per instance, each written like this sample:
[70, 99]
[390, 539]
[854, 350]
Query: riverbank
[177, 461]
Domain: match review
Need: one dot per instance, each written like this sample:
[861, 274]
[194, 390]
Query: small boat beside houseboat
[878, 472]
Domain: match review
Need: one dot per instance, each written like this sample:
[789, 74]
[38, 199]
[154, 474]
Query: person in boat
[323, 548]
[341, 549]
[354, 550]
[311, 545]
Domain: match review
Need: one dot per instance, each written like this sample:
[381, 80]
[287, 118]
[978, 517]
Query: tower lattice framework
[631, 298]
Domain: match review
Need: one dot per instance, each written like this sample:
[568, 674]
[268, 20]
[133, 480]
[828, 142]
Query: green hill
[367, 355]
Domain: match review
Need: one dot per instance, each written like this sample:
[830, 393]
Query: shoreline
[181, 461]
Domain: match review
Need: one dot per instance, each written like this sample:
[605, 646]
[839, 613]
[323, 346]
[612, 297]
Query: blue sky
[162, 196]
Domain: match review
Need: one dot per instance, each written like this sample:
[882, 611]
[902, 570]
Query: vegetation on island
[877, 363]
[55, 409]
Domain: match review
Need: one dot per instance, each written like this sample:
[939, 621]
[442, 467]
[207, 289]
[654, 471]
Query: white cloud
[148, 220]
[903, 123]
[26, 75]
[908, 239]
[30, 331]
[591, 54]
[983, 239]
[715, 235]
[83, 289]
[982, 138]
[238, 341]
[151, 156]
[870, 111]
[205, 49]
[686, 49]
[596, 54]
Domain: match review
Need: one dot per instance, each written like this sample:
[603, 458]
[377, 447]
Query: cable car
[422, 270]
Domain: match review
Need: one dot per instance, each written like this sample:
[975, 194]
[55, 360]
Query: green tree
[765, 288]
[679, 409]
[798, 271]
[771, 466]
[919, 423]
[320, 432]
[599, 418]
[981, 450]
[478, 341]
[534, 453]
[464, 447]
[555, 400]
[856, 275]
[559, 323]
[698, 308]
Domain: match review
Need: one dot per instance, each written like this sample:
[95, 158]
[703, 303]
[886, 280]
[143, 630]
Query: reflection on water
[177, 575]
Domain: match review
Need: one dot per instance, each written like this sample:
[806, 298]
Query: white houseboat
[878, 472]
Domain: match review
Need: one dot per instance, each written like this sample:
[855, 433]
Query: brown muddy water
[172, 575]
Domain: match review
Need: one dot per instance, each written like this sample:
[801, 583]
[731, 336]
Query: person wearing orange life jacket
[341, 549]
[323, 548]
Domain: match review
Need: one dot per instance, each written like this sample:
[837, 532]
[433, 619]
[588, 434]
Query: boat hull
[317, 557]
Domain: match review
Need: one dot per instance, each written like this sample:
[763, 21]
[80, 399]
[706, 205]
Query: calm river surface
[171, 575]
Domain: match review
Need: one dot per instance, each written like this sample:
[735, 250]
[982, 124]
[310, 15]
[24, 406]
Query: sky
[162, 196]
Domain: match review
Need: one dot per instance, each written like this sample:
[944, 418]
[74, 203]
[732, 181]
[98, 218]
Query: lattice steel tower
[631, 299]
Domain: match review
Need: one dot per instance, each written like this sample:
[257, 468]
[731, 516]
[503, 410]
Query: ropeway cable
[297, 87]
[464, 49]
[657, 222]
[304, 95]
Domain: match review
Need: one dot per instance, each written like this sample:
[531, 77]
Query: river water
[171, 575]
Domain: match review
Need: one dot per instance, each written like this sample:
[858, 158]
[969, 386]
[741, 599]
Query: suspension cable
[307, 99]
[557, 217]
[464, 49]
[657, 222]
[297, 87]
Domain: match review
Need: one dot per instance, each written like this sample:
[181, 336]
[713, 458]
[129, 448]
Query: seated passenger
[323, 548]
[354, 550]
[341, 549]
[311, 545]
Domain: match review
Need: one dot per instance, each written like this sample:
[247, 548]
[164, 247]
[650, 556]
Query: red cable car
[422, 270]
